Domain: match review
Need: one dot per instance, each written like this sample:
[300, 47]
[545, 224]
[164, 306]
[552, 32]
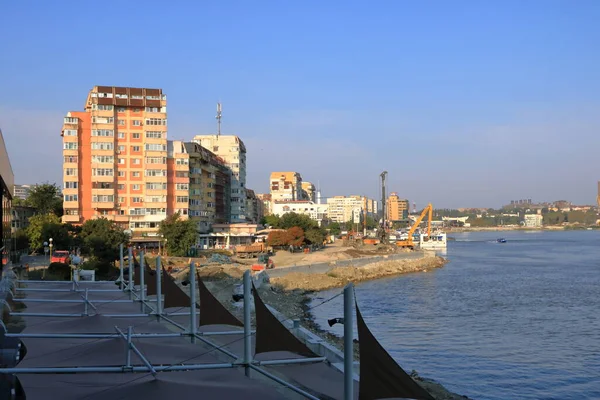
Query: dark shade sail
[149, 281]
[212, 312]
[174, 296]
[380, 376]
[272, 335]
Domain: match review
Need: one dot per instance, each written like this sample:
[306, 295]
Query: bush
[102, 268]
[60, 270]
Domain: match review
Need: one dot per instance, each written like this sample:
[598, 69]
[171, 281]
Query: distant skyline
[464, 103]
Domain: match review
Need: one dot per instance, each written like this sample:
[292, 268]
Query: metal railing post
[142, 283]
[348, 342]
[247, 318]
[158, 288]
[131, 268]
[128, 347]
[121, 265]
[85, 308]
[193, 323]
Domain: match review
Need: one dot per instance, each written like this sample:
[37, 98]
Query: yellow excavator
[409, 242]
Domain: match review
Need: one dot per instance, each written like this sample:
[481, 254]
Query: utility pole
[218, 119]
[383, 235]
[365, 205]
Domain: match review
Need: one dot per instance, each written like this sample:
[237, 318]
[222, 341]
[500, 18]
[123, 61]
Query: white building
[233, 151]
[533, 220]
[343, 208]
[316, 212]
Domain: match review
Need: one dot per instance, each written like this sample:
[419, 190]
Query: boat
[436, 241]
[501, 240]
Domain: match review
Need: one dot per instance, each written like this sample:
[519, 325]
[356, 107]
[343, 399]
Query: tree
[38, 226]
[270, 220]
[180, 234]
[46, 198]
[101, 238]
[277, 238]
[61, 240]
[290, 220]
[315, 235]
[334, 228]
[21, 240]
[295, 236]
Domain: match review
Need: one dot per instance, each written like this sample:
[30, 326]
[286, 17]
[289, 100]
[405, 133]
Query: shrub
[60, 270]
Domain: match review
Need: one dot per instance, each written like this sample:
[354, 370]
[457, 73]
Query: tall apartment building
[232, 150]
[210, 187]
[346, 208]
[178, 179]
[115, 158]
[254, 207]
[22, 191]
[267, 205]
[309, 192]
[7, 181]
[397, 208]
[286, 186]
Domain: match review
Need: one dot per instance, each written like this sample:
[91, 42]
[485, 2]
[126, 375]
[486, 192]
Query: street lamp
[46, 248]
[50, 246]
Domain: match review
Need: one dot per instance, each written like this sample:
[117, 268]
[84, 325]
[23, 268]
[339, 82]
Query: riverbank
[291, 296]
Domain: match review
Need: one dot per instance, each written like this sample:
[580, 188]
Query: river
[515, 320]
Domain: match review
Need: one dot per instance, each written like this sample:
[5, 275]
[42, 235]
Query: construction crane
[409, 242]
[383, 234]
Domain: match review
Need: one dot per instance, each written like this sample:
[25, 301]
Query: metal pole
[158, 288]
[142, 281]
[348, 342]
[85, 307]
[121, 265]
[193, 324]
[131, 268]
[247, 327]
[128, 347]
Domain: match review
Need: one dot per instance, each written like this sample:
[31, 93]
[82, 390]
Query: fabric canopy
[212, 312]
[380, 376]
[174, 296]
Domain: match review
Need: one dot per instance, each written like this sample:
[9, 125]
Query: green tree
[61, 240]
[101, 238]
[270, 220]
[46, 198]
[315, 235]
[21, 240]
[290, 220]
[180, 234]
[38, 226]
[334, 228]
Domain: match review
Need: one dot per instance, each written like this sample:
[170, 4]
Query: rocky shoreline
[291, 296]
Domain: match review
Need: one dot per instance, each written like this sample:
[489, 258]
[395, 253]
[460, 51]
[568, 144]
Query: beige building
[309, 192]
[232, 151]
[115, 158]
[347, 208]
[317, 212]
[286, 186]
[533, 220]
[209, 189]
[267, 207]
[397, 208]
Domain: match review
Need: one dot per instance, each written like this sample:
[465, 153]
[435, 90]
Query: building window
[70, 132]
[137, 122]
[156, 121]
[182, 186]
[121, 135]
[156, 160]
[182, 199]
[135, 174]
[215, 148]
[103, 198]
[103, 159]
[121, 109]
[71, 185]
[154, 135]
[121, 186]
[136, 199]
[102, 107]
[121, 174]
[121, 147]
[156, 147]
[103, 132]
[102, 146]
[70, 159]
[136, 161]
[102, 172]
[135, 187]
[121, 161]
[71, 171]
[103, 120]
[156, 186]
[70, 145]
[70, 197]
[135, 149]
[156, 172]
[182, 161]
[152, 109]
[121, 122]
[181, 174]
[135, 135]
[121, 199]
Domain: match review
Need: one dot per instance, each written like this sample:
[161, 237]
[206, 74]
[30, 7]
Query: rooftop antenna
[218, 119]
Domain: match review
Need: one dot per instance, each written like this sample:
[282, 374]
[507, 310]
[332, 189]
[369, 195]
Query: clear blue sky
[465, 103]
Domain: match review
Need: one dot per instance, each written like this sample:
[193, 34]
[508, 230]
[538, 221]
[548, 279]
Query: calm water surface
[518, 320]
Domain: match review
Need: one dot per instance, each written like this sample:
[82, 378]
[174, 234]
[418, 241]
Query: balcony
[71, 121]
[103, 178]
[71, 218]
[104, 205]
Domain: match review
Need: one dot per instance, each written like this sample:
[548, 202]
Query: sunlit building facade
[7, 181]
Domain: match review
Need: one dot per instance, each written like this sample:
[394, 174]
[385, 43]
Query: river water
[515, 320]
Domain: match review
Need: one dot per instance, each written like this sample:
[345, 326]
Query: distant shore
[519, 228]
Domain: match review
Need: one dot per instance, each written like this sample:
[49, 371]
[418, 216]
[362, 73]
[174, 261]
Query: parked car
[60, 256]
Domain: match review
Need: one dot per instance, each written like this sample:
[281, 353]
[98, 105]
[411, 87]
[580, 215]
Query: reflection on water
[514, 320]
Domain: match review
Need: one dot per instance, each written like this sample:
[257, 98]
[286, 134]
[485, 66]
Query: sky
[464, 103]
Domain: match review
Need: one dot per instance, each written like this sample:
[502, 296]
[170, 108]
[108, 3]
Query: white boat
[435, 241]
